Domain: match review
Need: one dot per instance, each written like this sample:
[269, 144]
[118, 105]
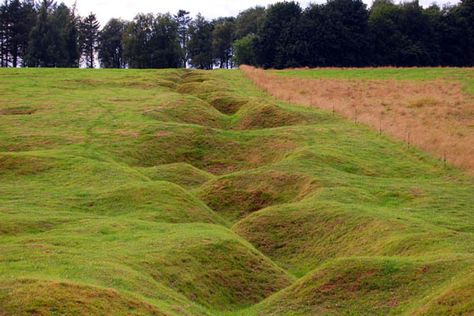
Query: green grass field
[463, 75]
[193, 193]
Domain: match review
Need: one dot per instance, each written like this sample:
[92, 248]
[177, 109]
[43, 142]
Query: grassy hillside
[194, 193]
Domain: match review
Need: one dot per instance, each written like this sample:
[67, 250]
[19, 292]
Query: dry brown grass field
[435, 115]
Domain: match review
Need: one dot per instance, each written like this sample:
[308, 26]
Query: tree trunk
[91, 56]
[15, 56]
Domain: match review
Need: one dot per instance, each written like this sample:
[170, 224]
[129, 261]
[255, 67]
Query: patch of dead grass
[21, 110]
[435, 116]
[22, 165]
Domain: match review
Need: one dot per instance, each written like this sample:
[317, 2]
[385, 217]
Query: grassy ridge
[194, 193]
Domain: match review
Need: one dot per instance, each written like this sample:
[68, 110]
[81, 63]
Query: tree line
[341, 33]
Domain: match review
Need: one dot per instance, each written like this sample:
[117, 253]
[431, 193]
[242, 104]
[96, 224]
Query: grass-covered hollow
[176, 192]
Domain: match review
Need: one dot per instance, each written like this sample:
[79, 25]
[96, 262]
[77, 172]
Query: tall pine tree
[223, 37]
[41, 47]
[4, 36]
[153, 42]
[183, 19]
[200, 43]
[89, 35]
[20, 18]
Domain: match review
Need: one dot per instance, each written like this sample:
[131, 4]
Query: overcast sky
[127, 9]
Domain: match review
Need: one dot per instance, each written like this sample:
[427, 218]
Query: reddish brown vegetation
[436, 116]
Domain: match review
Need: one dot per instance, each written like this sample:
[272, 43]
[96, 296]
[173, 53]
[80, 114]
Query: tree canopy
[337, 33]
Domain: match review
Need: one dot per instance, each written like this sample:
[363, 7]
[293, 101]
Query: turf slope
[193, 193]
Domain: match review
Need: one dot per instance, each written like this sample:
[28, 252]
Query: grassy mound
[203, 100]
[182, 174]
[267, 115]
[301, 236]
[363, 286]
[206, 263]
[154, 201]
[187, 110]
[217, 270]
[215, 151]
[37, 297]
[200, 86]
[170, 81]
[456, 299]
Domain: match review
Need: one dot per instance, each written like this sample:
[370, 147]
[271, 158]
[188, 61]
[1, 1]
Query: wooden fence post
[380, 123]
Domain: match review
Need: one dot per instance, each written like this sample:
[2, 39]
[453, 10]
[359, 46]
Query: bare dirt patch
[21, 110]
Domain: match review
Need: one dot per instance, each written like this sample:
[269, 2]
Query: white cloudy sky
[127, 9]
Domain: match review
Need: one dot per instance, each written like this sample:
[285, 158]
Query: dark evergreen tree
[223, 37]
[152, 42]
[386, 37]
[183, 19]
[402, 35]
[136, 38]
[16, 21]
[13, 25]
[349, 24]
[71, 35]
[25, 22]
[278, 44]
[53, 40]
[200, 43]
[89, 38]
[420, 48]
[4, 35]
[335, 34]
[111, 44]
[315, 36]
[63, 29]
[41, 47]
[165, 43]
[465, 22]
[449, 35]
